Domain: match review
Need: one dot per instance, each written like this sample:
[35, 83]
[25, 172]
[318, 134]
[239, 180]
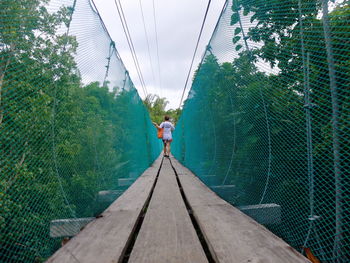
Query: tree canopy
[156, 107]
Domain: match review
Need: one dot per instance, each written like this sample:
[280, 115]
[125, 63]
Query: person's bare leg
[164, 143]
[169, 148]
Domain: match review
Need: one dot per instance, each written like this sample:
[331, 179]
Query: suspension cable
[130, 44]
[148, 47]
[157, 46]
[195, 51]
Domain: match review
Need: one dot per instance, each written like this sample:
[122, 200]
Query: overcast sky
[178, 24]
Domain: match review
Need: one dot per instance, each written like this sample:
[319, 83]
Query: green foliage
[236, 39]
[238, 30]
[156, 108]
[62, 140]
[245, 120]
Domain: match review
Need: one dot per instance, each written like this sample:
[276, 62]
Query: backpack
[160, 133]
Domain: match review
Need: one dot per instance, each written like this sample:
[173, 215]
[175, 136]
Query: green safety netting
[71, 123]
[266, 122]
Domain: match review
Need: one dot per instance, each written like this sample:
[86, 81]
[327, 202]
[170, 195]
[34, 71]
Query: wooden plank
[231, 235]
[105, 239]
[167, 233]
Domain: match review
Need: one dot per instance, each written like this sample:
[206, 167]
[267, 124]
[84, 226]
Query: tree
[246, 124]
[156, 108]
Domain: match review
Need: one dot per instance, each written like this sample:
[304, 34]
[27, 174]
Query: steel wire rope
[337, 249]
[115, 51]
[234, 142]
[55, 94]
[130, 44]
[269, 144]
[112, 51]
[95, 10]
[157, 46]
[195, 51]
[110, 54]
[208, 48]
[215, 140]
[269, 141]
[146, 35]
[307, 106]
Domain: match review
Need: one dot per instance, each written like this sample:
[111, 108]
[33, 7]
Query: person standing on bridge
[167, 127]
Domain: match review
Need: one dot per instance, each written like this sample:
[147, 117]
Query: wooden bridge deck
[169, 215]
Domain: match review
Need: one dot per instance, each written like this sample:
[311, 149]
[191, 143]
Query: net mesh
[266, 122]
[71, 123]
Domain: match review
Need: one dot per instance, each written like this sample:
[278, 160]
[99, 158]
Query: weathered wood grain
[105, 239]
[231, 235]
[167, 234]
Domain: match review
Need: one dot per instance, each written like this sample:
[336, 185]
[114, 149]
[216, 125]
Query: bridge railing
[266, 122]
[73, 130]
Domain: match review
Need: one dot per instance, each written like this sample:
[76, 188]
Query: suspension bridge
[169, 215]
[260, 158]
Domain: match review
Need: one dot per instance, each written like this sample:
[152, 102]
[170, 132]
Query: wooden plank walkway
[167, 233]
[231, 235]
[151, 222]
[106, 238]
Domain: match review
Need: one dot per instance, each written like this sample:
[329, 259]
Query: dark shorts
[165, 141]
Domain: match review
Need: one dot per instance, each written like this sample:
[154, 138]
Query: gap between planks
[167, 233]
[231, 235]
[105, 239]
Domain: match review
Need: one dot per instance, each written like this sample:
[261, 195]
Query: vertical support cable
[53, 125]
[110, 54]
[234, 143]
[269, 141]
[307, 107]
[125, 79]
[335, 133]
[215, 143]
[269, 145]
